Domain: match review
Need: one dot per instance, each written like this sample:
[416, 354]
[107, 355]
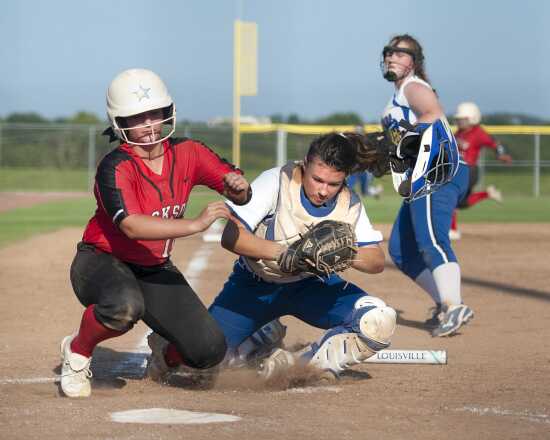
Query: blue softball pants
[420, 234]
[246, 303]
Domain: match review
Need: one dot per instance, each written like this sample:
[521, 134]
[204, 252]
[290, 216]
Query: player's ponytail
[352, 152]
[371, 152]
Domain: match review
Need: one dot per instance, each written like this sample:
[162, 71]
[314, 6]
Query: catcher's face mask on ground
[321, 182]
[397, 61]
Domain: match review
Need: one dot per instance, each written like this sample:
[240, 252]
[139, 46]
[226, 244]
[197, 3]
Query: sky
[316, 57]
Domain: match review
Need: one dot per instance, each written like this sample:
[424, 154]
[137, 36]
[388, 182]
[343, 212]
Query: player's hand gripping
[236, 188]
[210, 214]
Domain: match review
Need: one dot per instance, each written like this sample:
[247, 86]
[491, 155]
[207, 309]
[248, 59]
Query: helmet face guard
[388, 51]
[425, 159]
[137, 91]
[167, 125]
[437, 161]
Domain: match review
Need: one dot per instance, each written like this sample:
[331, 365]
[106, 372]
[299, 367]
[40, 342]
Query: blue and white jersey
[398, 109]
[265, 193]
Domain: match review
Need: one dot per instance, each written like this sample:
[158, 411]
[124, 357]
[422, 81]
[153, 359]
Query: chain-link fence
[62, 157]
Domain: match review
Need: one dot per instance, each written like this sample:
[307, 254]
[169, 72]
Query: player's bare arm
[369, 259]
[423, 102]
[145, 227]
[236, 188]
[239, 240]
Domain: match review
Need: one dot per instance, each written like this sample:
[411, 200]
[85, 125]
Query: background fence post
[91, 156]
[481, 170]
[0, 145]
[281, 147]
[536, 166]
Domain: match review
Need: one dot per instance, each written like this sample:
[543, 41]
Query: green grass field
[512, 181]
[22, 223]
[18, 224]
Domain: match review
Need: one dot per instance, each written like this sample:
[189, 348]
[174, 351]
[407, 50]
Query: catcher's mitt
[373, 153]
[326, 248]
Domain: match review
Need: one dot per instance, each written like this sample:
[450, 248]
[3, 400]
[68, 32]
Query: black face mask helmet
[388, 51]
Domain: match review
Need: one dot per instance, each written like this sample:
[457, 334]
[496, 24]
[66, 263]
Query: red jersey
[471, 141]
[124, 185]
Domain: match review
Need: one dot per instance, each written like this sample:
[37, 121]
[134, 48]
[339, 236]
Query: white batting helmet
[136, 91]
[469, 111]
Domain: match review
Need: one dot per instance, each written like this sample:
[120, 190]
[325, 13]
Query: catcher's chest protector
[291, 219]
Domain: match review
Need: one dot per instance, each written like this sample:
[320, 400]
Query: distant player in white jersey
[430, 176]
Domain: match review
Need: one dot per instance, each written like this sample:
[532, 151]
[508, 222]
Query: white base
[212, 238]
[170, 416]
[214, 233]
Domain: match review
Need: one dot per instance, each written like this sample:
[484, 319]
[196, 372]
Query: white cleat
[75, 371]
[278, 362]
[494, 194]
[454, 234]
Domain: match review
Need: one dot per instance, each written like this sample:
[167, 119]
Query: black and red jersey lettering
[124, 186]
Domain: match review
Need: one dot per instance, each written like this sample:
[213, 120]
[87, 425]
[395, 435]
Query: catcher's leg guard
[260, 344]
[372, 326]
[374, 322]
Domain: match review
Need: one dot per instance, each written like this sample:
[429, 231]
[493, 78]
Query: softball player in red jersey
[122, 270]
[472, 138]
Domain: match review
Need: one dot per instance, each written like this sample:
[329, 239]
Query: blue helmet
[436, 163]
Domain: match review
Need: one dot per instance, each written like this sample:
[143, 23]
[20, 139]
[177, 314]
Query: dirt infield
[496, 383]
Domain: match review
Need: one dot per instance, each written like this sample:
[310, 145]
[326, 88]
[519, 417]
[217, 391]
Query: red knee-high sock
[477, 197]
[91, 333]
[453, 221]
[172, 356]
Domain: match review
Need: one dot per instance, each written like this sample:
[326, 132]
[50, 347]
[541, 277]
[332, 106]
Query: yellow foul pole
[237, 93]
[245, 68]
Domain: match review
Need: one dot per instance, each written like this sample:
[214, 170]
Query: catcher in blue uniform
[302, 227]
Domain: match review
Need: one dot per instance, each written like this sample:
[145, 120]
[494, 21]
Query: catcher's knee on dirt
[372, 325]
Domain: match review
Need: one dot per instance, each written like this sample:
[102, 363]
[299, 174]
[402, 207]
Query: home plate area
[170, 417]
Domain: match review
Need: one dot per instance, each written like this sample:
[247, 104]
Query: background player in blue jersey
[285, 201]
[366, 187]
[427, 172]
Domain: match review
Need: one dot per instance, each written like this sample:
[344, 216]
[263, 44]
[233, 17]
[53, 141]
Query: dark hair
[334, 149]
[418, 56]
[349, 152]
